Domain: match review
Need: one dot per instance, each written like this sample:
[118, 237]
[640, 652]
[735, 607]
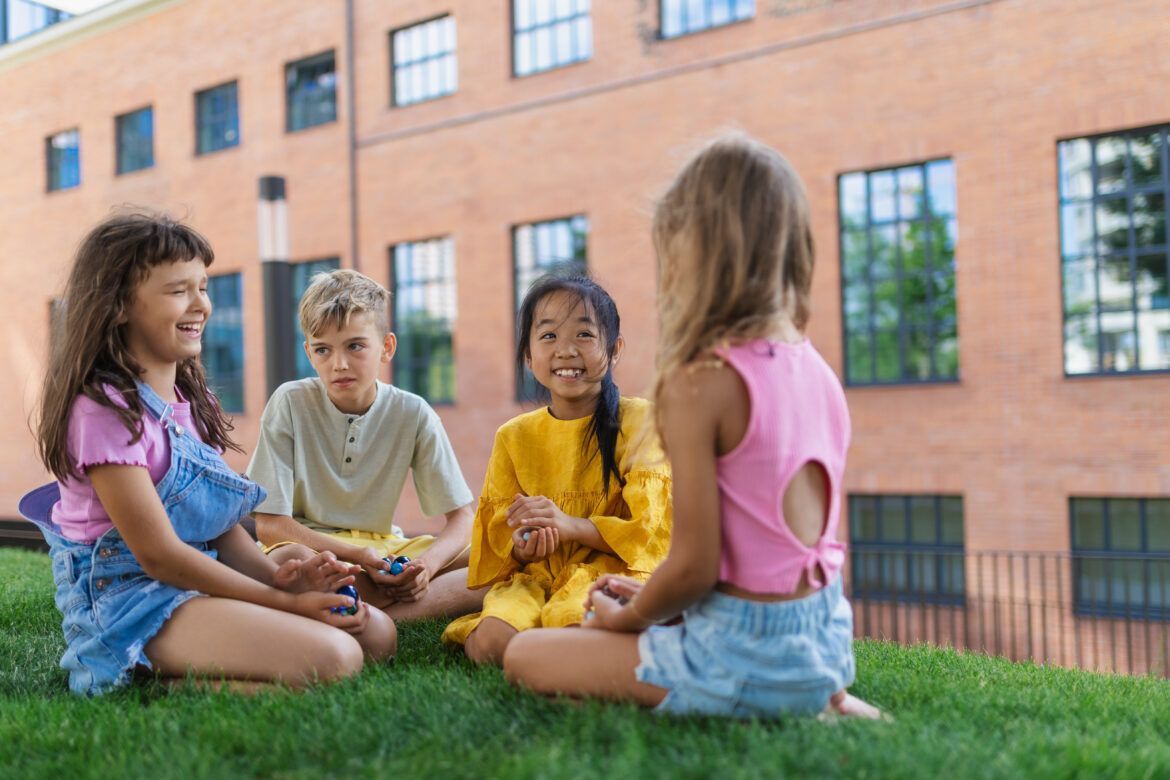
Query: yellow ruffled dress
[536, 454]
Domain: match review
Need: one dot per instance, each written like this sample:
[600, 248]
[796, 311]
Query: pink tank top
[798, 415]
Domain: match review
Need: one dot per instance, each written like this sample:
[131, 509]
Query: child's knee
[337, 655]
[291, 552]
[486, 644]
[380, 638]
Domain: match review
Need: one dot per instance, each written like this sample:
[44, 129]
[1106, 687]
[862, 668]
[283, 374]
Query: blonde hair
[735, 252]
[333, 297]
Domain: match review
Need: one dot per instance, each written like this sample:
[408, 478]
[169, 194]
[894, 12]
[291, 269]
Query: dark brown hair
[88, 350]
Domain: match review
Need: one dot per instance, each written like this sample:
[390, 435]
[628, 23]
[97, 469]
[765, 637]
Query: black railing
[1106, 612]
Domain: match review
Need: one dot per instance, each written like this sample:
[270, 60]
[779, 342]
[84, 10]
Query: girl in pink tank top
[756, 428]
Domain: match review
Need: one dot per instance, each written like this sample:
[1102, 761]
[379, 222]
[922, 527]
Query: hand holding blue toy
[351, 591]
[396, 564]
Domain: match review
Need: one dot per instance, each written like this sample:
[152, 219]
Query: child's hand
[316, 605]
[529, 511]
[322, 572]
[614, 586]
[408, 585]
[541, 543]
[611, 614]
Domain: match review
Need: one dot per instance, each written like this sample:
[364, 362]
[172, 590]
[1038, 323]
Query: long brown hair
[88, 350]
[735, 252]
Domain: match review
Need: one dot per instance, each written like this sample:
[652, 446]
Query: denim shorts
[750, 659]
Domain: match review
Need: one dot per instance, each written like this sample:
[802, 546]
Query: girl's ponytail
[604, 426]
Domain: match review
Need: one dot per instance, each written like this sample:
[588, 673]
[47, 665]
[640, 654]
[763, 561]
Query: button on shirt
[334, 471]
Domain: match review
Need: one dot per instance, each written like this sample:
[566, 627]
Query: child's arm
[447, 546]
[271, 529]
[322, 572]
[693, 409]
[128, 496]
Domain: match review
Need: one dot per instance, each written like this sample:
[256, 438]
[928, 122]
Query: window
[19, 18]
[424, 318]
[217, 119]
[311, 86]
[223, 342]
[537, 249]
[302, 275]
[424, 61]
[63, 158]
[135, 140]
[680, 17]
[1114, 254]
[898, 234]
[907, 548]
[1121, 556]
[547, 34]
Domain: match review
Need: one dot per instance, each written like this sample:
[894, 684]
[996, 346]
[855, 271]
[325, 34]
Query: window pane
[1125, 525]
[1158, 525]
[1076, 179]
[863, 519]
[223, 342]
[1088, 524]
[923, 528]
[424, 318]
[853, 200]
[311, 92]
[1110, 164]
[1145, 158]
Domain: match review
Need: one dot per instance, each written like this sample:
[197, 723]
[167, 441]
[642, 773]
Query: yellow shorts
[387, 545]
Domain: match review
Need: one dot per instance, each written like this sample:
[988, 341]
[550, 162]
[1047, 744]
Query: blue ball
[395, 568]
[402, 559]
[351, 591]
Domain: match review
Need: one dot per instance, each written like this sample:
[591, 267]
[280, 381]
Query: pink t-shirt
[96, 436]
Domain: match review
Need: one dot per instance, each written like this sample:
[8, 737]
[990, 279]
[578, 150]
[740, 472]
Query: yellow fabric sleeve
[491, 538]
[642, 539]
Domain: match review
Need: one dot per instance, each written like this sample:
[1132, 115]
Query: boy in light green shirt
[334, 452]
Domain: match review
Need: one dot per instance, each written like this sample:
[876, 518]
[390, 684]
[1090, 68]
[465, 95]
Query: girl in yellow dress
[570, 494]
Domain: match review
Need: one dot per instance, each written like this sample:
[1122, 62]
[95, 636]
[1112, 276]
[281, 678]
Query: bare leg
[240, 641]
[379, 639]
[446, 596]
[486, 644]
[460, 562]
[581, 663]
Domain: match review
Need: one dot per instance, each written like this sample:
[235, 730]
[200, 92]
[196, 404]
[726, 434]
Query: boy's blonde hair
[735, 251]
[335, 296]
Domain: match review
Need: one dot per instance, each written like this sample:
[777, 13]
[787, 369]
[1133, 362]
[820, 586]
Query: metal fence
[1104, 612]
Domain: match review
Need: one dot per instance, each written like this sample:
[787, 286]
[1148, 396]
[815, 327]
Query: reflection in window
[898, 234]
[302, 275]
[19, 18]
[424, 318]
[223, 342]
[217, 119]
[541, 247]
[907, 548]
[679, 17]
[135, 140]
[311, 92]
[424, 61]
[63, 158]
[1114, 253]
[550, 33]
[1121, 556]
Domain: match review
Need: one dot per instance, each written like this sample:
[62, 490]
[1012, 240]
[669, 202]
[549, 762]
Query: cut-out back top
[797, 416]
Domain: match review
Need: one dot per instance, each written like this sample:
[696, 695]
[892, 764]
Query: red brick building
[469, 121]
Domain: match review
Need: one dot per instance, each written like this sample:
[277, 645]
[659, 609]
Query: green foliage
[432, 714]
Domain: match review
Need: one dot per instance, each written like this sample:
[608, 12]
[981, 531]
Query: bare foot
[846, 705]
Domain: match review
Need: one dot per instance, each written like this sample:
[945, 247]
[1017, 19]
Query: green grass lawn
[433, 715]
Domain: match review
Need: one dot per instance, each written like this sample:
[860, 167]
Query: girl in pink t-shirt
[756, 428]
[152, 569]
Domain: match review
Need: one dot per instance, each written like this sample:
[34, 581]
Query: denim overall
[111, 608]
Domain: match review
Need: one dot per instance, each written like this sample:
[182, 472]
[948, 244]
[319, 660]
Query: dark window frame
[53, 162]
[935, 272]
[396, 324]
[236, 379]
[232, 116]
[1085, 607]
[572, 20]
[1097, 257]
[453, 53]
[881, 550]
[526, 390]
[329, 55]
[662, 36]
[121, 152]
